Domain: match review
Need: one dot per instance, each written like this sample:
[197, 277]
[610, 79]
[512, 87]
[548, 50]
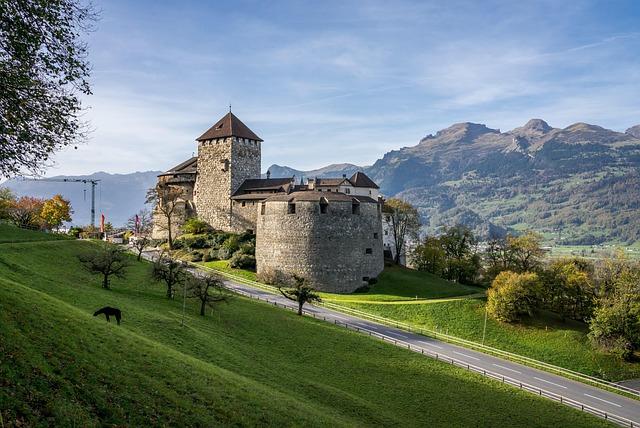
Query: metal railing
[531, 362]
[458, 363]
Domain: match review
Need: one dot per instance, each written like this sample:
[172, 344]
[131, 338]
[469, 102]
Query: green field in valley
[248, 363]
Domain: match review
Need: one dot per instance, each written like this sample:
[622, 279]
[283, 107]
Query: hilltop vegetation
[249, 364]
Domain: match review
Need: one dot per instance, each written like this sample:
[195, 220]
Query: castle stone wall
[329, 250]
[223, 164]
[244, 218]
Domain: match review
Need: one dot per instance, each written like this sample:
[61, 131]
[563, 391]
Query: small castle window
[375, 235]
[243, 203]
[225, 165]
[262, 207]
[368, 251]
[291, 208]
[220, 126]
[365, 279]
[369, 191]
[355, 208]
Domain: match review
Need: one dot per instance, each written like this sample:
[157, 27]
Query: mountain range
[575, 185]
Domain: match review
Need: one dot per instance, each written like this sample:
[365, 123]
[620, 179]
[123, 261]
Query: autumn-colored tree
[404, 222]
[55, 211]
[513, 295]
[569, 289]
[25, 212]
[525, 251]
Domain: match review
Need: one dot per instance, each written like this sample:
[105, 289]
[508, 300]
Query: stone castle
[327, 230]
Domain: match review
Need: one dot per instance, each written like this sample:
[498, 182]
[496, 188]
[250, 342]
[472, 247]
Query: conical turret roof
[229, 126]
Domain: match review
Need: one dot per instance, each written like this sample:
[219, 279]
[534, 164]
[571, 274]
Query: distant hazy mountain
[580, 184]
[334, 170]
[118, 196]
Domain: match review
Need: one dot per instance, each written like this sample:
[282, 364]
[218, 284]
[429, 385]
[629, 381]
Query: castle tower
[228, 153]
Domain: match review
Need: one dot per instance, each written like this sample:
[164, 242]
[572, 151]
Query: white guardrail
[456, 340]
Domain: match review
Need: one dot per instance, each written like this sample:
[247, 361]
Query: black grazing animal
[107, 310]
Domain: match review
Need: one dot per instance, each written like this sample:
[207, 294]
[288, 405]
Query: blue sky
[346, 81]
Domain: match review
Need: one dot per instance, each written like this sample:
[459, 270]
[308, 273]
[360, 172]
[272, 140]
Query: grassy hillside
[247, 364]
[545, 338]
[10, 233]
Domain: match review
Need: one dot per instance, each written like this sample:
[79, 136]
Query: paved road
[611, 403]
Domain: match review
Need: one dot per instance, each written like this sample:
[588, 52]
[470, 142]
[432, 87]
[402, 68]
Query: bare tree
[208, 289]
[108, 260]
[404, 221]
[141, 223]
[300, 292]
[140, 243]
[170, 271]
[166, 200]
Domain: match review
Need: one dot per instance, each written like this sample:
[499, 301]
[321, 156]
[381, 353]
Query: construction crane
[93, 183]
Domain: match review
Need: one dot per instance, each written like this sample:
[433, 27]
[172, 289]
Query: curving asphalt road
[609, 402]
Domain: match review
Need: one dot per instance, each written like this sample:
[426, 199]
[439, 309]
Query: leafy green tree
[615, 325]
[43, 74]
[462, 264]
[404, 221]
[207, 289]
[513, 295]
[107, 260]
[7, 200]
[196, 226]
[569, 288]
[55, 211]
[300, 292]
[169, 271]
[429, 256]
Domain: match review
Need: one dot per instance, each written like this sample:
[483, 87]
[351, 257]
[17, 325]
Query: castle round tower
[331, 239]
[228, 154]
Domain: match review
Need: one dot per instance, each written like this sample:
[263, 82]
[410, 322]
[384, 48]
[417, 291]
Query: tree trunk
[169, 291]
[300, 307]
[105, 281]
[203, 305]
[169, 232]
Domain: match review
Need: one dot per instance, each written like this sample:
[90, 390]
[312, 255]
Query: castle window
[291, 208]
[365, 279]
[347, 191]
[368, 251]
[225, 165]
[323, 206]
[220, 126]
[262, 207]
[243, 203]
[369, 191]
[355, 208]
[375, 235]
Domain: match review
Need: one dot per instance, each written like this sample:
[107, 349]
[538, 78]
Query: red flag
[137, 223]
[101, 223]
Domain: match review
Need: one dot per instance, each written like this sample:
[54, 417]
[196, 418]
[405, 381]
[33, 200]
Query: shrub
[198, 242]
[224, 253]
[213, 254]
[273, 277]
[232, 244]
[196, 226]
[196, 256]
[513, 295]
[75, 231]
[373, 281]
[178, 244]
[219, 238]
[206, 256]
[248, 248]
[242, 261]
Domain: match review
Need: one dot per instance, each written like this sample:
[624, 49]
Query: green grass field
[545, 338]
[248, 363]
[10, 233]
[401, 284]
[223, 265]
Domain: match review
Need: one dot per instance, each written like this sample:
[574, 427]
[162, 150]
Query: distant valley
[576, 185]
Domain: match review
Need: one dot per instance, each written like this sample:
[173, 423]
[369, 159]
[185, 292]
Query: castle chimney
[268, 174]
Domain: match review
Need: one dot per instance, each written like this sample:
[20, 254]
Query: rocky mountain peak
[634, 131]
[537, 125]
[465, 131]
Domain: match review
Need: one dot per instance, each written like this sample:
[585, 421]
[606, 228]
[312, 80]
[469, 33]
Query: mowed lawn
[248, 363]
[397, 283]
[545, 338]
